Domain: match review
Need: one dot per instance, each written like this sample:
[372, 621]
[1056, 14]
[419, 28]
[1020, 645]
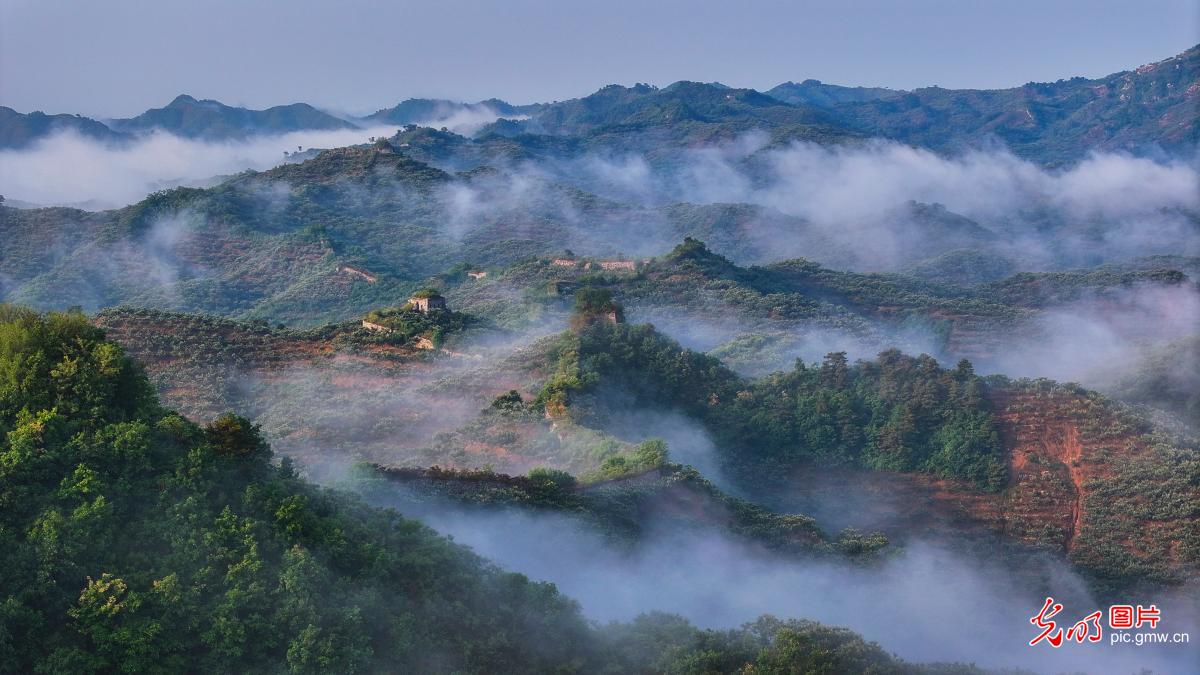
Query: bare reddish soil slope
[1087, 480]
[1098, 483]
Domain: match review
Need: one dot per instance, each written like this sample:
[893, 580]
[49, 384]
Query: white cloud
[67, 168]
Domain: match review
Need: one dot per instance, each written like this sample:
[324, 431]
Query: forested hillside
[136, 540]
[571, 402]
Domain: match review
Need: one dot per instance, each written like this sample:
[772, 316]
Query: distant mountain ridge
[1150, 109]
[415, 110]
[184, 116]
[644, 106]
[19, 130]
[817, 93]
[210, 119]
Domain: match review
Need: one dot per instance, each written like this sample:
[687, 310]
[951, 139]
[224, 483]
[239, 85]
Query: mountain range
[207, 119]
[605, 385]
[1146, 110]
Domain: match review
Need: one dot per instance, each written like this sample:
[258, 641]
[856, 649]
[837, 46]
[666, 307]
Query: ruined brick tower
[423, 302]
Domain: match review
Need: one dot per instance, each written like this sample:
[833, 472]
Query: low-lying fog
[1109, 206]
[845, 202]
[925, 603]
[1090, 340]
[1093, 340]
[929, 601]
[70, 169]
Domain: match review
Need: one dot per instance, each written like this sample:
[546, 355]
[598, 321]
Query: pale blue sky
[119, 57]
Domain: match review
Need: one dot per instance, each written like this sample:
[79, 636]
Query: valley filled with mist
[691, 378]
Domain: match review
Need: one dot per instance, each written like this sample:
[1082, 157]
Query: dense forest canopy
[898, 413]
